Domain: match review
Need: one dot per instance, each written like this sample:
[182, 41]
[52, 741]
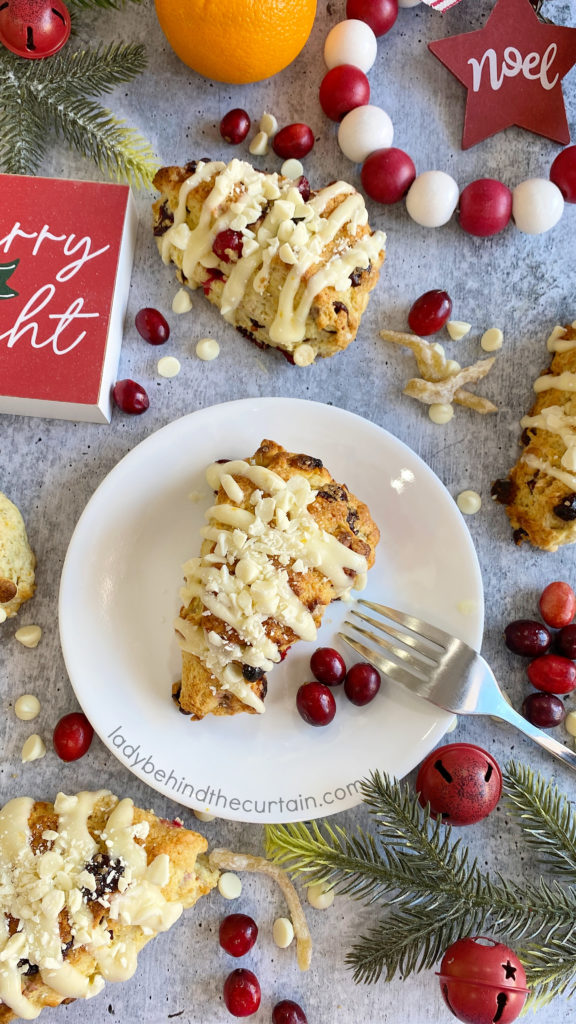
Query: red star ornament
[513, 70]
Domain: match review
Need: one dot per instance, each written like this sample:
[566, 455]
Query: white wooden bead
[432, 198]
[283, 932]
[318, 897]
[229, 885]
[537, 206]
[28, 636]
[351, 42]
[27, 707]
[364, 130]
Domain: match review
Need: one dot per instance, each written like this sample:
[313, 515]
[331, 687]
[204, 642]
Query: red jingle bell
[461, 782]
[482, 981]
[34, 28]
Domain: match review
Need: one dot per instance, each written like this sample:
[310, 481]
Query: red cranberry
[284, 653]
[342, 89]
[566, 641]
[242, 993]
[72, 736]
[303, 186]
[228, 245]
[461, 782]
[212, 275]
[130, 396]
[234, 126]
[430, 312]
[152, 326]
[287, 1012]
[552, 673]
[563, 173]
[295, 140]
[238, 933]
[527, 637]
[485, 207]
[316, 704]
[362, 683]
[379, 14]
[328, 666]
[544, 710]
[387, 175]
[557, 604]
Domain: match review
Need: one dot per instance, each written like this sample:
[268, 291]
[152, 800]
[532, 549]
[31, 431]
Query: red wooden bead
[461, 782]
[379, 14]
[485, 207]
[342, 89]
[34, 28]
[482, 981]
[387, 175]
[563, 173]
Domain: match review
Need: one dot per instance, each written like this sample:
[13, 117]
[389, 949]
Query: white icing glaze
[566, 478]
[561, 381]
[555, 420]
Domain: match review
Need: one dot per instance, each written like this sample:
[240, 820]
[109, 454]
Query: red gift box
[66, 251]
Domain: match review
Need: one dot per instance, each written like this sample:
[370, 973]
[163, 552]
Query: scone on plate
[283, 540]
[540, 491]
[289, 268]
[17, 560]
[85, 883]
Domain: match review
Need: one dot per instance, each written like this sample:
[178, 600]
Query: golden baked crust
[189, 878]
[336, 511]
[334, 316]
[17, 560]
[540, 507]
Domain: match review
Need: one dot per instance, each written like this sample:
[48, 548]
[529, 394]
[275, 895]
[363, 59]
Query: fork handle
[507, 714]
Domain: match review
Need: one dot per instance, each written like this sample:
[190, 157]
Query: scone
[540, 491]
[283, 540]
[289, 268]
[17, 560]
[85, 883]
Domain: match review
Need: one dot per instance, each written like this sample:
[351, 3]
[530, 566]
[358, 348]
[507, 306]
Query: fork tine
[423, 650]
[388, 668]
[418, 626]
[410, 658]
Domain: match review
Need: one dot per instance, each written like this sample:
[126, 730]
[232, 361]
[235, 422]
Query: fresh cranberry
[379, 14]
[238, 933]
[242, 993]
[72, 736]
[234, 126]
[130, 396]
[552, 673]
[566, 641]
[387, 175]
[212, 275]
[543, 710]
[328, 666]
[430, 312]
[316, 703]
[527, 637]
[485, 207]
[303, 186]
[557, 604]
[152, 326]
[362, 683]
[287, 1012]
[295, 140]
[284, 653]
[342, 89]
[563, 173]
[228, 245]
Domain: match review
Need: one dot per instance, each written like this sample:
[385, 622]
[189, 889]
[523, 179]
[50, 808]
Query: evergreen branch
[22, 134]
[545, 816]
[550, 970]
[92, 72]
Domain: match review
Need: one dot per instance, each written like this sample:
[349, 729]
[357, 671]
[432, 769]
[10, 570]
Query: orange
[236, 41]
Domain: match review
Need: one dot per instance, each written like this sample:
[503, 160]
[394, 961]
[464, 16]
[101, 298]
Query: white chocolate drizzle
[560, 382]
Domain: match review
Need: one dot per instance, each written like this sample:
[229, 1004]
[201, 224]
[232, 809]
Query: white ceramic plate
[119, 597]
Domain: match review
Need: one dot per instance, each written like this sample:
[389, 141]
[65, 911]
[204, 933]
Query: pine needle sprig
[98, 70]
[545, 816]
[551, 970]
[22, 134]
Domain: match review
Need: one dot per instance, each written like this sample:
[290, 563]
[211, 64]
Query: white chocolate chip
[492, 339]
[452, 366]
[204, 816]
[27, 707]
[469, 502]
[319, 897]
[440, 412]
[3, 615]
[229, 885]
[268, 124]
[259, 144]
[181, 303]
[287, 254]
[207, 349]
[292, 168]
[570, 723]
[28, 636]
[168, 366]
[33, 748]
[458, 329]
[285, 231]
[304, 355]
[283, 932]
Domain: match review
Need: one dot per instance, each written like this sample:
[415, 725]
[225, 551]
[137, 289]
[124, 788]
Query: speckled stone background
[524, 285]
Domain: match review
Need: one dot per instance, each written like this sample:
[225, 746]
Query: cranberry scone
[289, 268]
[283, 540]
[17, 560]
[85, 883]
[540, 491]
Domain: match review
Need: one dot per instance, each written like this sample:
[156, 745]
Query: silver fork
[436, 666]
